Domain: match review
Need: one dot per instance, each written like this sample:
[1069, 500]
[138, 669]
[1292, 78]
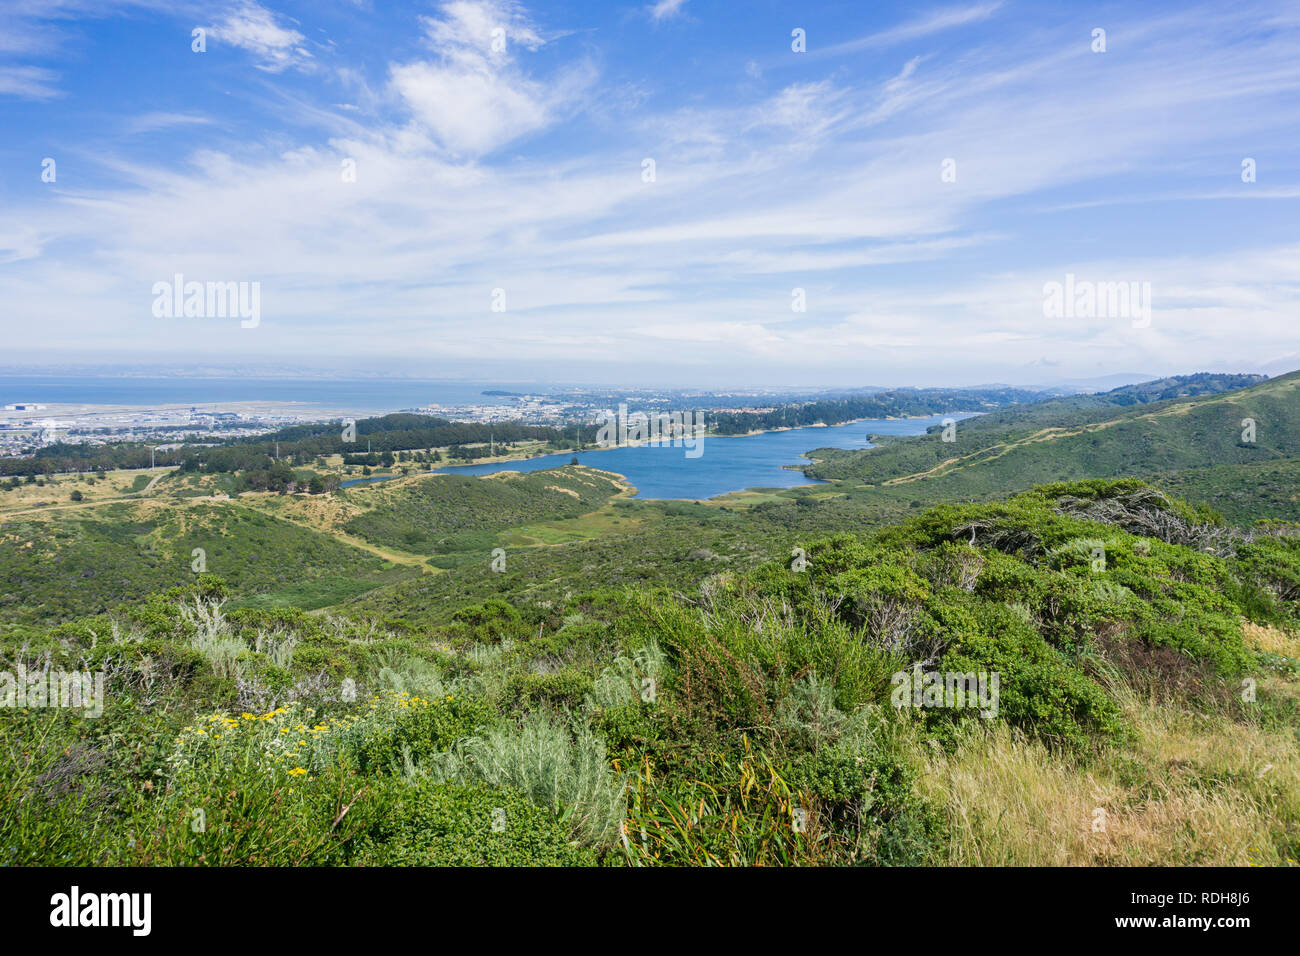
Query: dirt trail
[148, 489]
[90, 502]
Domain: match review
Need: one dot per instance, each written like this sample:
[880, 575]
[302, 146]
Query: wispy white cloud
[151, 122]
[930, 23]
[472, 96]
[28, 82]
[665, 9]
[258, 30]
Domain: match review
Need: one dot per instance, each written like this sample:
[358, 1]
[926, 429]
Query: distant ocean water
[362, 395]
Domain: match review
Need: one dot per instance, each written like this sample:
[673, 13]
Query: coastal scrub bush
[1039, 689]
[557, 764]
[622, 681]
[429, 824]
[491, 620]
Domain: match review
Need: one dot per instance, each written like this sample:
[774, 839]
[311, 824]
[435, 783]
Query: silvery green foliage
[807, 715]
[132, 636]
[620, 683]
[1110, 592]
[277, 646]
[1022, 611]
[1078, 552]
[255, 694]
[553, 763]
[350, 629]
[396, 670]
[211, 636]
[488, 655]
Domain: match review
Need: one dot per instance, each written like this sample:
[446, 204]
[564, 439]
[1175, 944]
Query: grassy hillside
[1243, 494]
[272, 550]
[442, 513]
[1053, 441]
[630, 543]
[747, 718]
[63, 564]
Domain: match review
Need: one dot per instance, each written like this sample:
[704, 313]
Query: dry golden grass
[566, 491]
[55, 491]
[319, 512]
[1271, 639]
[1192, 791]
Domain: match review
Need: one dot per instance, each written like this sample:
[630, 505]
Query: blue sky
[522, 170]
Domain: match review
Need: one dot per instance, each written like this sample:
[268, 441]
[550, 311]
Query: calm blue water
[360, 395]
[727, 464]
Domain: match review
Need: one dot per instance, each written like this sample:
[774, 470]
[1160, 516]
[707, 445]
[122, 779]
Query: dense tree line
[301, 443]
[894, 404]
[1180, 386]
[401, 432]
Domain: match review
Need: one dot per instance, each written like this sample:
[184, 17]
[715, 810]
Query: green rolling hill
[1061, 441]
[446, 513]
[61, 565]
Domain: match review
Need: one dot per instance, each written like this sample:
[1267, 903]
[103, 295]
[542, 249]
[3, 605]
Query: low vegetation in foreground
[1136, 658]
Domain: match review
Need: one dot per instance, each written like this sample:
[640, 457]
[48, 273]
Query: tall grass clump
[556, 764]
[210, 635]
[401, 671]
[1195, 790]
[620, 683]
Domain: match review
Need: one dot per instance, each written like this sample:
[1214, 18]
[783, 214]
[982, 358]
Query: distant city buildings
[530, 409]
[24, 432]
[169, 425]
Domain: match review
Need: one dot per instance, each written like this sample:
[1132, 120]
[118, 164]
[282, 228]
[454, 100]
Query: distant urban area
[26, 426]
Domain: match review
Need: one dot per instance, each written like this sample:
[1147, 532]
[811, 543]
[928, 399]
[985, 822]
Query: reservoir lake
[731, 463]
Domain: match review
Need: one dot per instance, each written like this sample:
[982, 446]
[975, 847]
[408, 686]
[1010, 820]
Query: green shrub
[429, 824]
[410, 728]
[869, 802]
[1039, 690]
[564, 689]
[556, 766]
[492, 620]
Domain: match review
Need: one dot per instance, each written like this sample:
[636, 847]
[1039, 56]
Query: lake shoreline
[770, 460]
